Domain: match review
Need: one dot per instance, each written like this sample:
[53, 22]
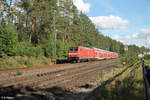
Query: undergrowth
[21, 61]
[128, 85]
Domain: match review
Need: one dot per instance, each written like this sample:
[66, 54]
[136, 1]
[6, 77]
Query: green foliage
[129, 59]
[35, 51]
[121, 51]
[27, 49]
[8, 40]
[147, 56]
[34, 31]
[22, 48]
[44, 60]
[122, 87]
[18, 73]
[48, 47]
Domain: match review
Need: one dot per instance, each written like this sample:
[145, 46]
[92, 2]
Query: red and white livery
[79, 53]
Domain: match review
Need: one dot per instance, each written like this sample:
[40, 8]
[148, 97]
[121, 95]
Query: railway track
[74, 74]
[48, 77]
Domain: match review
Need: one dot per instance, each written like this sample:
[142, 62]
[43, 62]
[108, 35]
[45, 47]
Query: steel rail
[40, 78]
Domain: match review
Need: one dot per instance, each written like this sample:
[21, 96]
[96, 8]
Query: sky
[127, 21]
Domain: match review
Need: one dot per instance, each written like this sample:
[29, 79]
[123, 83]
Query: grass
[29, 62]
[126, 86]
[18, 73]
[147, 62]
[21, 61]
[44, 61]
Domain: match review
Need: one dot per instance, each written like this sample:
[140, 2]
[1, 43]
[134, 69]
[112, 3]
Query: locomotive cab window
[73, 49]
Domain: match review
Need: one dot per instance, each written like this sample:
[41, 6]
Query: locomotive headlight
[73, 53]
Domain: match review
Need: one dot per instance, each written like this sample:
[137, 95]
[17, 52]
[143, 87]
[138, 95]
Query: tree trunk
[9, 14]
[15, 11]
[31, 33]
[10, 6]
[26, 20]
[18, 21]
[1, 10]
[63, 36]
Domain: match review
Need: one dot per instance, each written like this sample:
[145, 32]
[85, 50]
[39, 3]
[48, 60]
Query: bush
[61, 48]
[34, 51]
[48, 47]
[27, 49]
[8, 40]
[44, 60]
[22, 48]
[147, 56]
[129, 59]
[18, 73]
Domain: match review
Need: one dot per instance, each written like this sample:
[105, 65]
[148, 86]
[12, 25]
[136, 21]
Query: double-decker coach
[100, 53]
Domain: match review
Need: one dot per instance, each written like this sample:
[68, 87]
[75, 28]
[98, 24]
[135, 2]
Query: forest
[35, 28]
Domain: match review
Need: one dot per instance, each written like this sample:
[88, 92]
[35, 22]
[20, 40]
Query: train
[80, 53]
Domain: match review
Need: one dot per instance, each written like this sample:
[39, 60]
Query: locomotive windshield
[73, 49]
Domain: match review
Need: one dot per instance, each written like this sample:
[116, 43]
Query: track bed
[37, 80]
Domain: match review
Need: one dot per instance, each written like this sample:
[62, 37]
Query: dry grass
[147, 62]
[20, 62]
[127, 86]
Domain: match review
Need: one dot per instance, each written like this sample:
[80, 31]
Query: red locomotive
[79, 53]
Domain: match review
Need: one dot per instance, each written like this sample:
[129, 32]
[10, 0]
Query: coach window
[71, 49]
[75, 48]
[101, 55]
